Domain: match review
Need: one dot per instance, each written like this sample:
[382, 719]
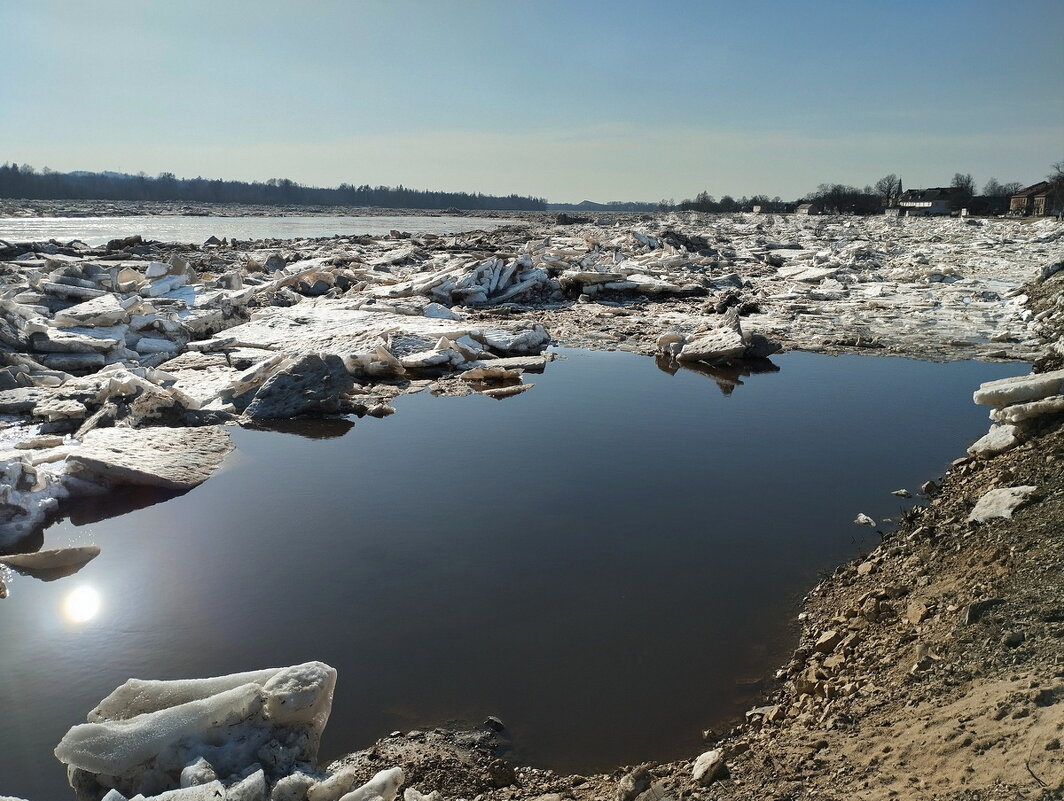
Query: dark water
[607, 562]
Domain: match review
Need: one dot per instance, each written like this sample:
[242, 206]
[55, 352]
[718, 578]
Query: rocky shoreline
[932, 668]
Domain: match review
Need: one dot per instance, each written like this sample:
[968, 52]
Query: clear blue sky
[567, 100]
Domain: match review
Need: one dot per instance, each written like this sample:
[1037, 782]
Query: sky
[566, 100]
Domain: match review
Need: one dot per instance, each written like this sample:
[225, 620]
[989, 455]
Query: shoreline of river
[819, 735]
[947, 681]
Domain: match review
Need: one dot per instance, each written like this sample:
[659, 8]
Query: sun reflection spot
[81, 604]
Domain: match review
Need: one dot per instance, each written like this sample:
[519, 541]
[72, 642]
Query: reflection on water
[51, 574]
[607, 562]
[726, 376]
[81, 604]
[325, 428]
[94, 508]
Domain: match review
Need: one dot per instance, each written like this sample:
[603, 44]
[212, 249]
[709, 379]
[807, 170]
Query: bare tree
[1056, 185]
[963, 183]
[995, 189]
[964, 190]
[889, 188]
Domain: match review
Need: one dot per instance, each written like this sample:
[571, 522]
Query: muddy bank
[946, 620]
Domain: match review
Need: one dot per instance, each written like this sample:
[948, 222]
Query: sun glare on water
[81, 605]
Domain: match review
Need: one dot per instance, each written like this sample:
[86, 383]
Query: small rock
[709, 767]
[902, 493]
[925, 657]
[502, 773]
[975, 610]
[1014, 639]
[864, 520]
[916, 612]
[929, 488]
[633, 784]
[827, 642]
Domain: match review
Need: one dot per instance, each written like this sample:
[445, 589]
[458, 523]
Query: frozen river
[607, 562]
[195, 230]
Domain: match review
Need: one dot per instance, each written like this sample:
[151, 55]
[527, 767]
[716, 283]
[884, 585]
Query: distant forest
[26, 182]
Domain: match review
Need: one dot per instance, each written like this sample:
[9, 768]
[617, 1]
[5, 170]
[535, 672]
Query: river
[96, 231]
[608, 562]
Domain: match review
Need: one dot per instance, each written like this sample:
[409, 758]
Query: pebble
[1014, 639]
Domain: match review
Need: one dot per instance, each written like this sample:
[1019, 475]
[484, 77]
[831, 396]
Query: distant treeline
[704, 201]
[26, 182]
[615, 206]
[844, 199]
[828, 197]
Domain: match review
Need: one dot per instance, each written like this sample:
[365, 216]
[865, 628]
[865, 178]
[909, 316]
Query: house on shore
[988, 205]
[934, 202]
[1034, 201]
[807, 208]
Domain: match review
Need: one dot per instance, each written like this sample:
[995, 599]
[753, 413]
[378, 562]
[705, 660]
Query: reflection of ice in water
[81, 604]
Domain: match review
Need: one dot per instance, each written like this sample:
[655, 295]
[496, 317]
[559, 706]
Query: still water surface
[608, 562]
[97, 231]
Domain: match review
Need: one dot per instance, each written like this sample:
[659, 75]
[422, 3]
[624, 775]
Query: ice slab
[1020, 389]
[256, 727]
[1001, 502]
[170, 458]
